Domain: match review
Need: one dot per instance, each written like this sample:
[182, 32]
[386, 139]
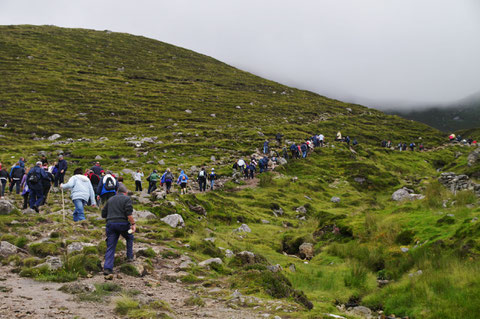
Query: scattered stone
[244, 228]
[361, 311]
[213, 115]
[238, 107]
[127, 171]
[174, 220]
[359, 180]
[77, 246]
[54, 137]
[5, 207]
[292, 268]
[455, 182]
[188, 111]
[161, 162]
[335, 199]
[264, 221]
[415, 274]
[210, 239]
[7, 249]
[281, 161]
[404, 249]
[334, 316]
[186, 264]
[159, 194]
[306, 251]
[143, 214]
[98, 157]
[275, 268]
[210, 261]
[247, 257]
[301, 210]
[260, 133]
[405, 194]
[294, 179]
[278, 212]
[473, 157]
[53, 263]
[77, 288]
[213, 159]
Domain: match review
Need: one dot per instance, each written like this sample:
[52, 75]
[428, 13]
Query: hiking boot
[107, 272]
[35, 208]
[130, 260]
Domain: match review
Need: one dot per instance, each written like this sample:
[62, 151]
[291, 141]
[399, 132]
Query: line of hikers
[167, 179]
[403, 146]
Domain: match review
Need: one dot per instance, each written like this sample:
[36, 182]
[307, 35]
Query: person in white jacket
[81, 193]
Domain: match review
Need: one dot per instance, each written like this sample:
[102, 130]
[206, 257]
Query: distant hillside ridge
[79, 82]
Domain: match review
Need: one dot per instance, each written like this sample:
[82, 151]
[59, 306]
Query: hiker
[339, 136]
[294, 150]
[265, 147]
[118, 213]
[16, 174]
[202, 179]
[285, 153]
[97, 169]
[404, 147]
[278, 137]
[245, 171]
[94, 180]
[47, 184]
[44, 160]
[212, 177]
[21, 162]
[25, 190]
[412, 146]
[265, 163]
[421, 147]
[304, 150]
[389, 144]
[321, 139]
[137, 177]
[167, 179]
[399, 146]
[182, 181]
[347, 140]
[252, 170]
[62, 168]
[3, 179]
[81, 193]
[241, 165]
[107, 187]
[261, 165]
[36, 177]
[355, 142]
[152, 181]
[384, 143]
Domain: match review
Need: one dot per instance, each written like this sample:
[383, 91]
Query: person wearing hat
[97, 169]
[36, 177]
[152, 181]
[212, 177]
[81, 193]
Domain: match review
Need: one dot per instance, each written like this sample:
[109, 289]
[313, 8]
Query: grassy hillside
[414, 258]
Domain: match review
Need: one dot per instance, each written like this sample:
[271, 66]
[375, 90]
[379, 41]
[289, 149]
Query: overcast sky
[375, 52]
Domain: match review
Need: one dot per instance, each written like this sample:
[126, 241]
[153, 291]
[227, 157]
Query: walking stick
[63, 206]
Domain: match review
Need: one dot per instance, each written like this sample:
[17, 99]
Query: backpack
[201, 174]
[94, 179]
[110, 184]
[33, 178]
[148, 178]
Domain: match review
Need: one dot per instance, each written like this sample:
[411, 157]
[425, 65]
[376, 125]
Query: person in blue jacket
[62, 168]
[36, 177]
[265, 147]
[107, 187]
[182, 181]
[16, 174]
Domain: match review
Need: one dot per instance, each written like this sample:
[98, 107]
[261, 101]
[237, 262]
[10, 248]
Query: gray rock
[127, 171]
[278, 212]
[359, 180]
[244, 228]
[247, 257]
[294, 179]
[264, 221]
[229, 253]
[78, 288]
[53, 263]
[210, 239]
[186, 264]
[210, 261]
[362, 311]
[455, 182]
[174, 220]
[77, 246]
[405, 194]
[473, 157]
[98, 157]
[306, 251]
[54, 137]
[281, 161]
[292, 268]
[143, 214]
[188, 111]
[7, 249]
[275, 268]
[301, 210]
[213, 159]
[404, 249]
[159, 194]
[213, 115]
[5, 207]
[161, 162]
[238, 107]
[335, 199]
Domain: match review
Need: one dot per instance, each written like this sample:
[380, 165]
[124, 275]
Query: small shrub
[356, 277]
[32, 262]
[124, 304]
[446, 220]
[21, 242]
[405, 237]
[434, 194]
[190, 279]
[195, 301]
[44, 249]
[465, 197]
[130, 270]
[149, 253]
[266, 180]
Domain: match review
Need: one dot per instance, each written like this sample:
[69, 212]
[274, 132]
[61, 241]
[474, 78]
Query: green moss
[44, 249]
[129, 270]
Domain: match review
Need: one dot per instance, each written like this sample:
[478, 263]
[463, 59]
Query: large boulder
[243, 229]
[306, 251]
[455, 182]
[7, 249]
[54, 137]
[210, 261]
[473, 157]
[143, 214]
[53, 263]
[174, 220]
[405, 194]
[5, 207]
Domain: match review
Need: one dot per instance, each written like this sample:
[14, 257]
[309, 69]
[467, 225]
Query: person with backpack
[3, 179]
[265, 147]
[107, 187]
[304, 150]
[293, 149]
[137, 177]
[36, 177]
[167, 179]
[355, 142]
[252, 170]
[347, 140]
[97, 169]
[47, 184]
[25, 190]
[16, 174]
[152, 181]
[202, 179]
[62, 168]
[118, 213]
[81, 193]
[22, 162]
[321, 139]
[412, 146]
[94, 180]
[182, 181]
[278, 137]
[212, 177]
[245, 171]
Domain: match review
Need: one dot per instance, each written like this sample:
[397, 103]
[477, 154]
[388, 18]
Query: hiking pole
[63, 205]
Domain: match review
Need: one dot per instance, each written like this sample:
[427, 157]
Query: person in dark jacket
[21, 162]
[16, 174]
[3, 179]
[294, 150]
[212, 177]
[278, 137]
[36, 177]
[47, 183]
[44, 160]
[252, 170]
[118, 213]
[265, 147]
[97, 169]
[202, 179]
[304, 149]
[167, 179]
[62, 168]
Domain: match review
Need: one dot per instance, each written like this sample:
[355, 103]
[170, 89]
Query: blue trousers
[36, 197]
[304, 154]
[114, 230]
[212, 182]
[79, 213]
